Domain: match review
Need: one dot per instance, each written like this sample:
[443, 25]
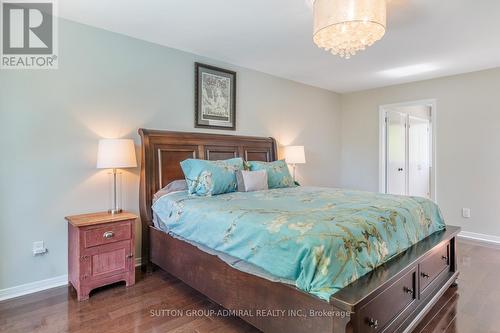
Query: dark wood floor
[472, 307]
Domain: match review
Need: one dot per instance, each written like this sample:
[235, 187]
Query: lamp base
[115, 211]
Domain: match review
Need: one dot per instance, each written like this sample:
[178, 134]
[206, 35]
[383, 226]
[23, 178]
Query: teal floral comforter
[321, 238]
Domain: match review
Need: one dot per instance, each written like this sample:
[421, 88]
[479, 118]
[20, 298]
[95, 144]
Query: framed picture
[215, 97]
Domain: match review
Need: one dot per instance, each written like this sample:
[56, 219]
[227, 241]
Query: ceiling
[424, 38]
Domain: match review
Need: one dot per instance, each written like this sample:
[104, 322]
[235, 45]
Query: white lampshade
[295, 155]
[116, 153]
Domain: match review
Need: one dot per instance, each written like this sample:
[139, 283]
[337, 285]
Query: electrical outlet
[466, 212]
[39, 248]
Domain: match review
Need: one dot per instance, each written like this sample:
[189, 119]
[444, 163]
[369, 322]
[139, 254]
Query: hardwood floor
[474, 306]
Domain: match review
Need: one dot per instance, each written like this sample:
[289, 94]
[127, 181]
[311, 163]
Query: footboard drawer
[379, 312]
[433, 265]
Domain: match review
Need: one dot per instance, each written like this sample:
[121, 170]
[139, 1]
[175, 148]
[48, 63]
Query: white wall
[109, 85]
[468, 143]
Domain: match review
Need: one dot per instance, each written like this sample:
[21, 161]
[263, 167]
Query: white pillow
[249, 181]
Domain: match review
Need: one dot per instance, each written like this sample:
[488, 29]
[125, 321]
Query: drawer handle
[408, 290]
[373, 323]
[425, 275]
[445, 258]
[129, 256]
[108, 234]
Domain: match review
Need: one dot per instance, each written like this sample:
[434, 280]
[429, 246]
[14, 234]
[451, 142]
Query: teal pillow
[278, 175]
[206, 178]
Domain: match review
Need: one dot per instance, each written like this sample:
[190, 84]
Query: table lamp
[295, 155]
[116, 154]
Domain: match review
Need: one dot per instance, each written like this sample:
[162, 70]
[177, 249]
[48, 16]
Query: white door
[396, 153]
[408, 154]
[419, 159]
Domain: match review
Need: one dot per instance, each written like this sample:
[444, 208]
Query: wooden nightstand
[100, 250]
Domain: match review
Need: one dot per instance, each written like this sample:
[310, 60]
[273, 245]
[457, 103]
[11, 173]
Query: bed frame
[392, 298]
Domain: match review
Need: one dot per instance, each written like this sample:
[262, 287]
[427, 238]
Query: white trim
[479, 237]
[381, 155]
[138, 262]
[381, 149]
[33, 287]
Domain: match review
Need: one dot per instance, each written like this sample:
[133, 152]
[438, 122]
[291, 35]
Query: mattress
[318, 239]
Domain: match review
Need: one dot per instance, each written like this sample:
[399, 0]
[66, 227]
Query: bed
[392, 297]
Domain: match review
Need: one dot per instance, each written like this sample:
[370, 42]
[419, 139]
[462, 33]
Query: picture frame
[215, 97]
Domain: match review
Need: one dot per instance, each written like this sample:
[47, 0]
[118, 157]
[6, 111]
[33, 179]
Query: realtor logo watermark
[29, 35]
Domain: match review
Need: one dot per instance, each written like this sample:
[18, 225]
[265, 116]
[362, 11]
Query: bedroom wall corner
[467, 129]
[109, 85]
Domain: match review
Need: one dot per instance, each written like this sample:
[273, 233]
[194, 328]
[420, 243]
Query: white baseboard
[479, 237]
[62, 280]
[33, 287]
[138, 262]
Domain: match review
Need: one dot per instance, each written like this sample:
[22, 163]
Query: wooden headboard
[162, 152]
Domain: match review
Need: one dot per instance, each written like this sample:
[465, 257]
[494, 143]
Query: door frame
[432, 103]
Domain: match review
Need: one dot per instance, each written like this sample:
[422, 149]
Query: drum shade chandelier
[345, 27]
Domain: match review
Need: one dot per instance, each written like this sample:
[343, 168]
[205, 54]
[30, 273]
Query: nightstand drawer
[110, 233]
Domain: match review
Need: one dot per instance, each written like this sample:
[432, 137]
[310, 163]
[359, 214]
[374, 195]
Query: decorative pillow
[278, 174]
[206, 178]
[249, 181]
[174, 186]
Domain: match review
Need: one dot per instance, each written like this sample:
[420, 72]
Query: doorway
[407, 149]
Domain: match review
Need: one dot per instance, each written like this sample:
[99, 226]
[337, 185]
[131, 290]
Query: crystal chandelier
[345, 27]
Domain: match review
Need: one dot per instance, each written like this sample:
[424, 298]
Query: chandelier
[345, 27]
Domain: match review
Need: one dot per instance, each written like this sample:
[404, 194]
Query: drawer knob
[408, 290]
[108, 234]
[425, 275]
[373, 323]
